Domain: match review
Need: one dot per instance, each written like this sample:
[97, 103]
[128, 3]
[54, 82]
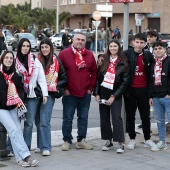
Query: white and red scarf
[12, 94]
[52, 75]
[158, 70]
[22, 70]
[80, 63]
[109, 77]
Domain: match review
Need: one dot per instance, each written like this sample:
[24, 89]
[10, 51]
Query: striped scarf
[109, 77]
[22, 70]
[80, 63]
[12, 94]
[158, 70]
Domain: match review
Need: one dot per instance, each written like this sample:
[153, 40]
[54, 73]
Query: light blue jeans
[161, 107]
[10, 120]
[42, 121]
[32, 105]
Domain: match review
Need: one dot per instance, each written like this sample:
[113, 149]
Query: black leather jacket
[132, 58]
[121, 81]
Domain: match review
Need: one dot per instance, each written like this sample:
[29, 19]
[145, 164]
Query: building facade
[152, 13]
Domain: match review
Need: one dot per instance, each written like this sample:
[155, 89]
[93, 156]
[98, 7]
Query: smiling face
[159, 51]
[25, 48]
[113, 48]
[8, 60]
[45, 49]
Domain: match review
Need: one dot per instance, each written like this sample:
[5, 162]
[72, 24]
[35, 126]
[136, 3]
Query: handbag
[58, 93]
[38, 91]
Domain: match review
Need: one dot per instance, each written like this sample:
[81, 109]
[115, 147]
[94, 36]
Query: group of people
[138, 75]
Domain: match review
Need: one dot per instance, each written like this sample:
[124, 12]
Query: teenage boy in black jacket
[137, 90]
[159, 91]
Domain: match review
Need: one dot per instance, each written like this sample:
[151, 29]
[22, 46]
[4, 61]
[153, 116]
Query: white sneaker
[46, 153]
[159, 146]
[37, 150]
[107, 146]
[65, 146]
[149, 143]
[120, 148]
[132, 144]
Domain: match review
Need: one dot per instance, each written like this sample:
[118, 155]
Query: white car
[56, 39]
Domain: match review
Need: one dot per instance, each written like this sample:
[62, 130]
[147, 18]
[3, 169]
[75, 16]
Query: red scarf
[109, 77]
[22, 70]
[12, 94]
[80, 63]
[52, 75]
[158, 70]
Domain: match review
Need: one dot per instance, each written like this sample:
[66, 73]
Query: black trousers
[138, 98]
[106, 114]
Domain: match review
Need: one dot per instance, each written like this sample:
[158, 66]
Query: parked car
[56, 39]
[165, 37]
[77, 30]
[29, 36]
[9, 36]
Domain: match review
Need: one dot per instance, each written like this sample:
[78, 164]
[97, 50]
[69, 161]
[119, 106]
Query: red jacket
[79, 81]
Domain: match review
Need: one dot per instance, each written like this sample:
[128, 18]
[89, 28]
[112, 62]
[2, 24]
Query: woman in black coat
[111, 83]
[11, 96]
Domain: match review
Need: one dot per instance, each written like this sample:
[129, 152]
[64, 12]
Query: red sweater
[140, 76]
[79, 81]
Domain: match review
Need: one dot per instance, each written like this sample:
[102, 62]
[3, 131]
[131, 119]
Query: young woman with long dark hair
[111, 84]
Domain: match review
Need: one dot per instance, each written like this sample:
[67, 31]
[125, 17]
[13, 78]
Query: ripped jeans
[161, 107]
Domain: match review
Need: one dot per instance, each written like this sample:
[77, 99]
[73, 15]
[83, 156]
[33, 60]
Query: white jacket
[38, 76]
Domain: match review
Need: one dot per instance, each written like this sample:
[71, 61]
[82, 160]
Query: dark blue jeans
[70, 104]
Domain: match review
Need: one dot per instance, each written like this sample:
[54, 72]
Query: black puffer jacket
[121, 81]
[132, 58]
[4, 87]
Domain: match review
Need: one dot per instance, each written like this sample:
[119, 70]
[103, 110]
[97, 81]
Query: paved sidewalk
[138, 159]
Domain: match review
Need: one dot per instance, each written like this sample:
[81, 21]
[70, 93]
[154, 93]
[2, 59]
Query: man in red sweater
[81, 72]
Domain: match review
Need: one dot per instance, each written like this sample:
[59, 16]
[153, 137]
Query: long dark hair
[46, 65]
[106, 61]
[12, 68]
[19, 53]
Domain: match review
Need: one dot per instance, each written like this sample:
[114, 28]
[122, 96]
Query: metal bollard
[3, 146]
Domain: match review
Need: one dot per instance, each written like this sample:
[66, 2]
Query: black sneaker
[107, 145]
[120, 148]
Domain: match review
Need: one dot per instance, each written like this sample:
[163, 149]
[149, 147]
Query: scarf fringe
[107, 85]
[52, 88]
[13, 102]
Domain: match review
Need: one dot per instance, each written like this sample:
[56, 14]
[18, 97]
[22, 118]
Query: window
[72, 1]
[63, 2]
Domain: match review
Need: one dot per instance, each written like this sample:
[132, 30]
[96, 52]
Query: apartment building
[154, 14]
